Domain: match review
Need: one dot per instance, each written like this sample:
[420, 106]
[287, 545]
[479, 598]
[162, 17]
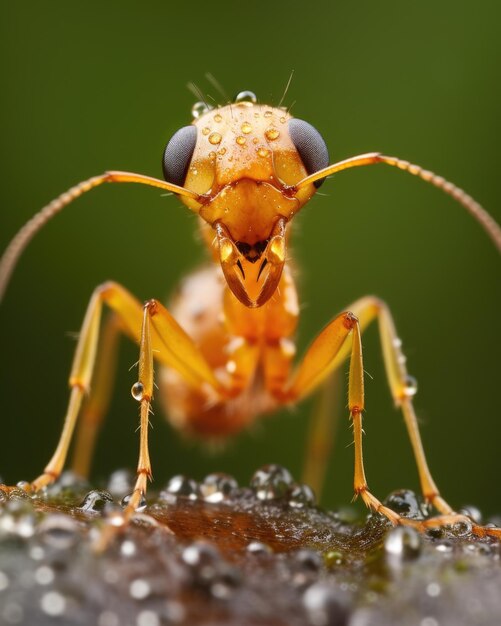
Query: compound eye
[178, 155]
[310, 146]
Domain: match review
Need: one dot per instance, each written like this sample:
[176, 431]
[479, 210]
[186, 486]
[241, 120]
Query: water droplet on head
[410, 386]
[141, 505]
[215, 138]
[218, 487]
[268, 114]
[263, 152]
[402, 543]
[240, 140]
[180, 486]
[246, 128]
[301, 496]
[218, 118]
[271, 482]
[199, 109]
[271, 133]
[246, 96]
[137, 391]
[59, 531]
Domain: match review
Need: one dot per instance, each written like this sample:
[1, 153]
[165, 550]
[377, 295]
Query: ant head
[244, 161]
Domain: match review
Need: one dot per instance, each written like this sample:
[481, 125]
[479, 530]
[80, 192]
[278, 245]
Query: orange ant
[226, 347]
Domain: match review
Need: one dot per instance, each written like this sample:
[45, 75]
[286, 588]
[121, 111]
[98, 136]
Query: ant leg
[327, 352]
[402, 388]
[172, 347]
[96, 405]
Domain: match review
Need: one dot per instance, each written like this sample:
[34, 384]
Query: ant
[226, 347]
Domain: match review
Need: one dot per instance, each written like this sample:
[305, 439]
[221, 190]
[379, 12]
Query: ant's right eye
[178, 155]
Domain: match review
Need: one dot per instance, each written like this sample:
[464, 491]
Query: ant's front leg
[169, 342]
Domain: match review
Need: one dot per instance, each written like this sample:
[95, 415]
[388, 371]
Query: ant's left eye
[310, 146]
[178, 155]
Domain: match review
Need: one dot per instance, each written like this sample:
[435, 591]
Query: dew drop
[240, 140]
[323, 605]
[137, 391]
[128, 548]
[271, 482]
[301, 496]
[272, 133]
[246, 96]
[405, 503]
[410, 386]
[222, 151]
[44, 575]
[258, 548]
[199, 109]
[180, 486]
[218, 487]
[402, 544]
[263, 152]
[139, 589]
[218, 118]
[205, 130]
[268, 114]
[53, 603]
[95, 501]
[246, 128]
[141, 505]
[215, 138]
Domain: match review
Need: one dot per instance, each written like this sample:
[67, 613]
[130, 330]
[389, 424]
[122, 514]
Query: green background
[93, 86]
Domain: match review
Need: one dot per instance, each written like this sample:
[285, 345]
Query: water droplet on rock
[218, 487]
[271, 482]
[301, 496]
[324, 606]
[95, 501]
[402, 544]
[180, 487]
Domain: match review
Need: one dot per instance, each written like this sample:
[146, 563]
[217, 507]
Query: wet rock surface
[214, 553]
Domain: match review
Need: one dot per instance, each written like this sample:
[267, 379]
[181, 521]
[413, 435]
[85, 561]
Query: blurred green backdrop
[93, 86]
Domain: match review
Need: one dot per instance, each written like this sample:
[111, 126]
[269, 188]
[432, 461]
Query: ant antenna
[286, 89]
[197, 92]
[217, 86]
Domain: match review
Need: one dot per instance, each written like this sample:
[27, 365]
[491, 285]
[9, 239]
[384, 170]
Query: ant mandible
[226, 348]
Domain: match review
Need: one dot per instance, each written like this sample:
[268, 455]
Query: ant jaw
[252, 283]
